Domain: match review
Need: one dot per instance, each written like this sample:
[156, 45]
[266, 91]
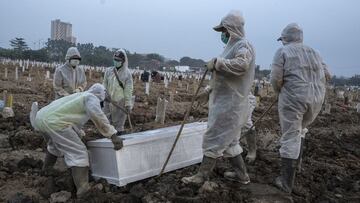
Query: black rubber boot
[300, 155]
[49, 162]
[251, 143]
[203, 174]
[81, 179]
[240, 174]
[285, 181]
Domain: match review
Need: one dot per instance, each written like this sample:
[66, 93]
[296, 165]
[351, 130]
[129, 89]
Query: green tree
[19, 46]
[87, 53]
[156, 57]
[56, 49]
[187, 61]
[172, 63]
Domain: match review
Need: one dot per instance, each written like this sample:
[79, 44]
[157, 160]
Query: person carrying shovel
[232, 77]
[118, 82]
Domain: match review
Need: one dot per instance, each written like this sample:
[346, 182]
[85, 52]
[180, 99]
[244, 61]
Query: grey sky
[176, 28]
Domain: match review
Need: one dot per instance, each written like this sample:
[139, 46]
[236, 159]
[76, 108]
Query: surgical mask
[74, 62]
[224, 38]
[118, 64]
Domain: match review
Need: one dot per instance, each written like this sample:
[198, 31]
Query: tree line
[55, 50]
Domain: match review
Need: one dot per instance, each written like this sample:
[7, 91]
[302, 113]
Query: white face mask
[74, 62]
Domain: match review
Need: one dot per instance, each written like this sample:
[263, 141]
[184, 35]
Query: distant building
[182, 68]
[62, 31]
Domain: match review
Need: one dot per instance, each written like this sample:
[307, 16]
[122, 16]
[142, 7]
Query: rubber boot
[206, 167]
[251, 142]
[300, 155]
[285, 181]
[49, 162]
[240, 174]
[81, 179]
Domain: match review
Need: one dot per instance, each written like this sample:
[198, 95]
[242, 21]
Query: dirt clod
[60, 197]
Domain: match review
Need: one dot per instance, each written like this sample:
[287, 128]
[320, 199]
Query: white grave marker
[16, 73]
[147, 88]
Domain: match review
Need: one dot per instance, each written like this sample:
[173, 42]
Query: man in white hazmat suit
[299, 76]
[69, 78]
[60, 123]
[232, 77]
[250, 134]
[120, 92]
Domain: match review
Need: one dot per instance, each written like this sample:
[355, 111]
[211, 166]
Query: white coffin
[144, 153]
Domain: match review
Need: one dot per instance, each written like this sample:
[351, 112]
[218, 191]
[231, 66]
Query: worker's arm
[326, 71]
[128, 90]
[237, 65]
[277, 71]
[93, 109]
[324, 66]
[58, 83]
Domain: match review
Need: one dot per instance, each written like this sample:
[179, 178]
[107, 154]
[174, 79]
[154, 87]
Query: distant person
[69, 78]
[118, 82]
[145, 76]
[298, 76]
[60, 123]
[155, 76]
[232, 78]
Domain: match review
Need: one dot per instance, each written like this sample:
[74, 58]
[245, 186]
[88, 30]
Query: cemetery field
[330, 171]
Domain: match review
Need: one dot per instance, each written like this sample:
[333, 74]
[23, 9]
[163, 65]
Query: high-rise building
[62, 31]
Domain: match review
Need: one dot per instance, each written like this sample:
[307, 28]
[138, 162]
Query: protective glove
[203, 97]
[211, 64]
[77, 90]
[107, 97]
[128, 109]
[117, 141]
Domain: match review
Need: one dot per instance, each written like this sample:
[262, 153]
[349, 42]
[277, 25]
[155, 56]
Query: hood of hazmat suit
[68, 80]
[298, 75]
[71, 52]
[119, 92]
[98, 90]
[292, 34]
[230, 86]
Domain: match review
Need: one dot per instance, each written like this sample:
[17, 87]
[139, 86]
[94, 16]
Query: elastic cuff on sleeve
[218, 63]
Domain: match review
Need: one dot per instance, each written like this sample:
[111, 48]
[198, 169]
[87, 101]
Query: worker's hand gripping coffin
[144, 153]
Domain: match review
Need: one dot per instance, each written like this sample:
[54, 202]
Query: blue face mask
[224, 38]
[118, 64]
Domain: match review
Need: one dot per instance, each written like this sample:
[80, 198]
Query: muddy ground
[330, 170]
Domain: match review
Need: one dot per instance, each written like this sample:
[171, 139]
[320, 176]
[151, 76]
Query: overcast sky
[177, 28]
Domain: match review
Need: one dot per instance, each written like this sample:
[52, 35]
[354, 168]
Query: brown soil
[330, 170]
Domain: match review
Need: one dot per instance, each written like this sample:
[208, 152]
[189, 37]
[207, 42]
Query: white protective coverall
[230, 86]
[298, 75]
[61, 120]
[68, 80]
[120, 95]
